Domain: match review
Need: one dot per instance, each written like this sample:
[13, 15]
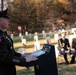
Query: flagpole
[2, 5]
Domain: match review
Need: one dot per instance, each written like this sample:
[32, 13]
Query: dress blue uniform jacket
[74, 43]
[8, 57]
[66, 43]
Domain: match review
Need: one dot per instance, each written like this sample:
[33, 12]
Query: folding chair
[61, 57]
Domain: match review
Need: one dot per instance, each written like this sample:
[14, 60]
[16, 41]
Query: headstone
[20, 34]
[70, 38]
[48, 40]
[62, 30]
[36, 42]
[26, 33]
[36, 33]
[56, 36]
[12, 36]
[44, 34]
[56, 50]
[36, 45]
[50, 34]
[35, 38]
[72, 30]
[67, 32]
[21, 37]
[74, 36]
[24, 42]
[59, 31]
[30, 35]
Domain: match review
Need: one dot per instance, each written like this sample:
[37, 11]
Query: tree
[37, 14]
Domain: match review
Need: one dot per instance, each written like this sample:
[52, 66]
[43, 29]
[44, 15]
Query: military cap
[4, 14]
[4, 9]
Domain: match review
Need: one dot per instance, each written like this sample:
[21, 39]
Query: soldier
[74, 47]
[8, 57]
[64, 47]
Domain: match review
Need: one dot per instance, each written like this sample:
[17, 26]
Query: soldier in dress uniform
[64, 46]
[74, 47]
[8, 57]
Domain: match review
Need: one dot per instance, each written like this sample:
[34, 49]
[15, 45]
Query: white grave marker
[48, 40]
[21, 37]
[36, 42]
[30, 36]
[26, 33]
[12, 36]
[70, 38]
[56, 36]
[36, 45]
[56, 50]
[35, 37]
[36, 33]
[50, 34]
[20, 34]
[24, 42]
[44, 34]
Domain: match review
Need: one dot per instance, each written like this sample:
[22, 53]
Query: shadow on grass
[26, 71]
[62, 70]
[30, 46]
[67, 69]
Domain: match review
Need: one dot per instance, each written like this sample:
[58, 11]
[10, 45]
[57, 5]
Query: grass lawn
[62, 69]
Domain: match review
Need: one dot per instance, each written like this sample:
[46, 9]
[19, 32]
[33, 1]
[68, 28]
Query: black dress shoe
[67, 63]
[72, 62]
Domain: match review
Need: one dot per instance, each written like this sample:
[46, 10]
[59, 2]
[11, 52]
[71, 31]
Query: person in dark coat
[64, 46]
[74, 47]
[8, 57]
